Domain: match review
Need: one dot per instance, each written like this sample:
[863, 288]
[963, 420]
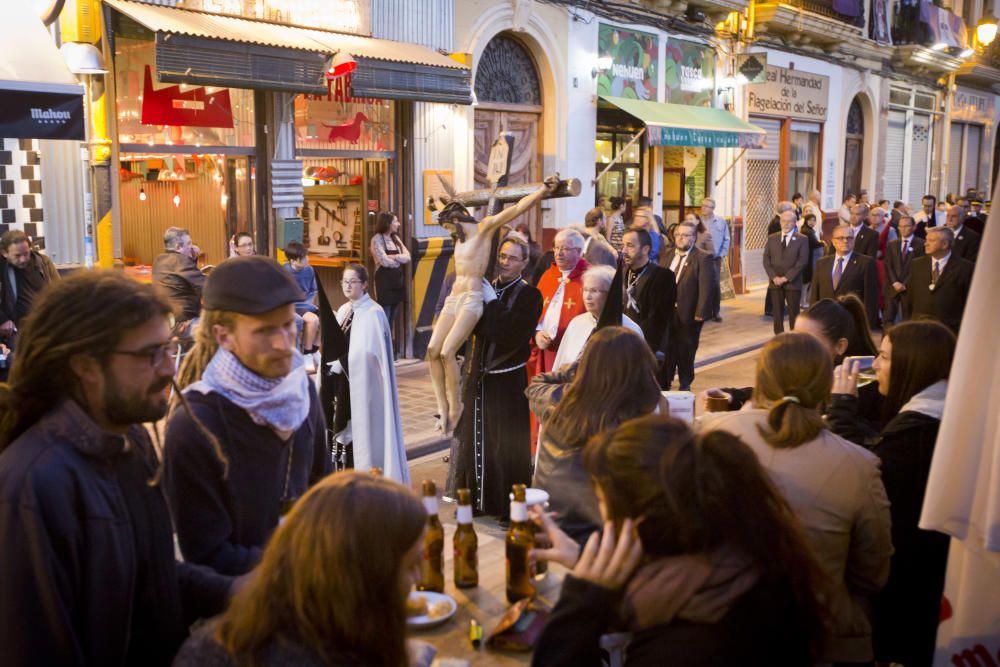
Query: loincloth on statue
[466, 302]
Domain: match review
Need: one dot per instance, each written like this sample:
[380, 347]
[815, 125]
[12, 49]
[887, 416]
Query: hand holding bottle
[563, 549]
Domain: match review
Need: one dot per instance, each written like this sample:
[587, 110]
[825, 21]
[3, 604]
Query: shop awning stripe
[682, 125]
[262, 33]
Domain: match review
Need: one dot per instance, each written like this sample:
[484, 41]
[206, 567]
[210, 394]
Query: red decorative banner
[194, 108]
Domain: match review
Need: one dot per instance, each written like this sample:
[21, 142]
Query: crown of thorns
[455, 211]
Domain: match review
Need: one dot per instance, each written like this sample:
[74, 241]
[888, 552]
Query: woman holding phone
[912, 368]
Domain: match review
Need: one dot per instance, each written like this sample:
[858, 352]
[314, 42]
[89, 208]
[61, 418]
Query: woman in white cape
[597, 282]
[375, 426]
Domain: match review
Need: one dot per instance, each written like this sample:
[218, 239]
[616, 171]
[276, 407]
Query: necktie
[784, 240]
[550, 323]
[935, 273]
[838, 271]
[679, 263]
[905, 244]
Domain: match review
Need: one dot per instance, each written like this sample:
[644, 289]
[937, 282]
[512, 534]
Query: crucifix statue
[473, 257]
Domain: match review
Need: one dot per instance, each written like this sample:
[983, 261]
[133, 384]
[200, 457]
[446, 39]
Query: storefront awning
[211, 49]
[682, 125]
[41, 99]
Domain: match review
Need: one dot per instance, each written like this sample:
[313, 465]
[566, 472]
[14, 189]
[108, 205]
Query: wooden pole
[513, 193]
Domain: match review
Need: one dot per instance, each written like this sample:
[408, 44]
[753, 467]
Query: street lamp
[986, 29]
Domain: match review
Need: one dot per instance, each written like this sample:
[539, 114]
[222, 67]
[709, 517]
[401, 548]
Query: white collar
[846, 257]
[943, 260]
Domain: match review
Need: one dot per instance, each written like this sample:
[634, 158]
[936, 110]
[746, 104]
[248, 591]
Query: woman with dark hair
[816, 247]
[614, 381]
[241, 245]
[616, 222]
[332, 584]
[833, 485]
[701, 559]
[912, 369]
[390, 256]
[842, 326]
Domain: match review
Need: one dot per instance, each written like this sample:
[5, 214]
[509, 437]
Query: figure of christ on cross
[464, 306]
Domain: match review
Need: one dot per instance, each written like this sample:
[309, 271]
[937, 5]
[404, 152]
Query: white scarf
[282, 404]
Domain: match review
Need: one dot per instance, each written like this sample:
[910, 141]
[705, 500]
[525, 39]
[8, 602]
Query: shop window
[162, 114]
[803, 157]
[605, 147]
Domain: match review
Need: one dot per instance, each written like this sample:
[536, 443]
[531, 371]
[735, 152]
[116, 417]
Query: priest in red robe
[562, 293]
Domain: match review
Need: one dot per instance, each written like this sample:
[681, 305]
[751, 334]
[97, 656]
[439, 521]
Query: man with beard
[23, 274]
[493, 435]
[248, 396]
[649, 291]
[87, 569]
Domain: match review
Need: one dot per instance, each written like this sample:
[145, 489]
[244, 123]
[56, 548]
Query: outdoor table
[486, 603]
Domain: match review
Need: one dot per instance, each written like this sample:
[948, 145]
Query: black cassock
[491, 449]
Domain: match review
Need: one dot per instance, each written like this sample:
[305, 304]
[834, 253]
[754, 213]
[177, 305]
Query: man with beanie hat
[249, 399]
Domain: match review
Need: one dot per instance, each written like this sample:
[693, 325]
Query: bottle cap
[430, 489]
[519, 492]
[464, 497]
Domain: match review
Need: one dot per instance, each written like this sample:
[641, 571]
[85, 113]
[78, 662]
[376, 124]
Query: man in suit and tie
[846, 272]
[785, 255]
[597, 250]
[649, 290]
[939, 281]
[898, 257]
[966, 243]
[693, 273]
[865, 238]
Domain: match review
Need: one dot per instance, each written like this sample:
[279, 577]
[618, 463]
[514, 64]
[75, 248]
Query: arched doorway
[854, 148]
[509, 98]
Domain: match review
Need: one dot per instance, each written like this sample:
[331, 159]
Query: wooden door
[525, 163]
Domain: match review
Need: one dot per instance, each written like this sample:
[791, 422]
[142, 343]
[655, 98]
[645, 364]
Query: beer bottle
[520, 541]
[432, 563]
[375, 472]
[466, 560]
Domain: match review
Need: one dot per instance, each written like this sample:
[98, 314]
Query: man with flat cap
[246, 436]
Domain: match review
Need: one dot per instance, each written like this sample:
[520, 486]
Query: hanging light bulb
[142, 194]
[177, 198]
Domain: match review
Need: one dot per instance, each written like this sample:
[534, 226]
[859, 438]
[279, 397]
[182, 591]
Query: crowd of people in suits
[900, 265]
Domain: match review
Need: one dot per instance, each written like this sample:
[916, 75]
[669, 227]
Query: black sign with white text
[31, 115]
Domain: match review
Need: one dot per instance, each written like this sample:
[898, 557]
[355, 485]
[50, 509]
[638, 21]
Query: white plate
[425, 621]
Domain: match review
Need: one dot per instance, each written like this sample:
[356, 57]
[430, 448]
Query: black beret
[250, 286]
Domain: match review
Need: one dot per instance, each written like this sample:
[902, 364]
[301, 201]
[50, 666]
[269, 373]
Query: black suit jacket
[787, 262]
[897, 267]
[866, 242]
[860, 278]
[694, 288]
[966, 244]
[946, 302]
[655, 295]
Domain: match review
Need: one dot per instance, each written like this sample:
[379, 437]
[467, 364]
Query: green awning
[683, 125]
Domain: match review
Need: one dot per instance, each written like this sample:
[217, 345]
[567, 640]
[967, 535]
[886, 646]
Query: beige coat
[835, 488]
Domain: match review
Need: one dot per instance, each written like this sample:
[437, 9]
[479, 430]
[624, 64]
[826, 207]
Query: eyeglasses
[843, 238]
[559, 249]
[155, 354]
[348, 283]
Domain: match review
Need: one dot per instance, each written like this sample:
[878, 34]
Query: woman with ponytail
[833, 485]
[701, 560]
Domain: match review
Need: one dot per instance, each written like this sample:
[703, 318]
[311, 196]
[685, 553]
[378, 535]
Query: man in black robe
[492, 445]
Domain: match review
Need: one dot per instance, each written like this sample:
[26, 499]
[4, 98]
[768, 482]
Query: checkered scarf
[280, 403]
